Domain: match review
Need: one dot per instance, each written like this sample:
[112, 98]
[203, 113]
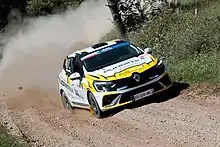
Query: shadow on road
[171, 93]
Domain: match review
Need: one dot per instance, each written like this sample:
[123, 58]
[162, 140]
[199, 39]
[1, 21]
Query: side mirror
[162, 58]
[75, 76]
[148, 50]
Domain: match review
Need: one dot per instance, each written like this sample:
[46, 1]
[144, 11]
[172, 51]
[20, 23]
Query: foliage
[190, 44]
[203, 68]
[7, 140]
[44, 7]
[5, 8]
[135, 12]
[180, 36]
[15, 9]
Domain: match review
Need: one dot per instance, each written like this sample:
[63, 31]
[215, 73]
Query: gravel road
[33, 56]
[192, 118]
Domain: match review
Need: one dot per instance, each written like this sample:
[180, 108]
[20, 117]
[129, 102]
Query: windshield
[110, 55]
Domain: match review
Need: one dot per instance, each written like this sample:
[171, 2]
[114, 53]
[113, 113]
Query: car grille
[128, 96]
[144, 77]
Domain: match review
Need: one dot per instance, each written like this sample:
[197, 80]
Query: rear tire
[65, 101]
[94, 107]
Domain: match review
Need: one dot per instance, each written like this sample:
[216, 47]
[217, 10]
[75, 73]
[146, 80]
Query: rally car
[110, 74]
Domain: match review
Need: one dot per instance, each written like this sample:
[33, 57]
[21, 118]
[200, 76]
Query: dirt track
[190, 119]
[33, 58]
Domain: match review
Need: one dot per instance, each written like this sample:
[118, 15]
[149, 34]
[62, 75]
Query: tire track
[184, 122]
[172, 123]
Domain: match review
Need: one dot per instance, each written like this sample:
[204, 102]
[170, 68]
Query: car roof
[97, 46]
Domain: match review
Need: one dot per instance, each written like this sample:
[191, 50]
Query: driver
[78, 65]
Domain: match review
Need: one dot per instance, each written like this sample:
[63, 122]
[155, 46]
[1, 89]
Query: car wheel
[94, 107]
[65, 101]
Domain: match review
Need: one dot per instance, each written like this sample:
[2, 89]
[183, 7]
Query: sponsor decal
[105, 49]
[142, 56]
[70, 89]
[121, 44]
[145, 57]
[90, 55]
[77, 93]
[128, 64]
[65, 85]
[84, 83]
[124, 65]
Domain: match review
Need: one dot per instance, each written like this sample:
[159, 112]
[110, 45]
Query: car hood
[125, 68]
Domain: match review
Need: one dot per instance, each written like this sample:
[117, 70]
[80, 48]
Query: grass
[198, 69]
[7, 140]
[190, 44]
[213, 10]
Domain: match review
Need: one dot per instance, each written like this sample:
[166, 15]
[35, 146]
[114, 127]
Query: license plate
[143, 94]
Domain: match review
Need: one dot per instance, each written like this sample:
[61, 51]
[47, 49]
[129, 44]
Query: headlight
[161, 66]
[104, 86]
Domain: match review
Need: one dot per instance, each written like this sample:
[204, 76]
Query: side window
[69, 65]
[65, 64]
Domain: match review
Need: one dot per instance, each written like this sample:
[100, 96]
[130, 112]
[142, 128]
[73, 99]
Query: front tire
[94, 107]
[65, 101]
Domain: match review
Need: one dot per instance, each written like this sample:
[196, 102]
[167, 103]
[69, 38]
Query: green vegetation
[190, 44]
[34, 8]
[44, 7]
[7, 140]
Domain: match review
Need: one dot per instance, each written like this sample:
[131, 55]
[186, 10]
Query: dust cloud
[33, 55]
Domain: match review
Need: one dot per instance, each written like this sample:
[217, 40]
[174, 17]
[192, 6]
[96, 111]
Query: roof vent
[99, 45]
[120, 41]
[83, 54]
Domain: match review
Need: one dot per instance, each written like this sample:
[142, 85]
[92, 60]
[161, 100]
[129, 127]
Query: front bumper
[109, 100]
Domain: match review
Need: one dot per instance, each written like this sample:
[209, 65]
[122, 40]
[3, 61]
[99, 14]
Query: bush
[5, 8]
[189, 43]
[44, 7]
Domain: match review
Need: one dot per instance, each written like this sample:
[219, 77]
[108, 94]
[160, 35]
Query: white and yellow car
[110, 74]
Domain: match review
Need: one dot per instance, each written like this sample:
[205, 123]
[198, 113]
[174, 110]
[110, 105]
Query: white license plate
[143, 94]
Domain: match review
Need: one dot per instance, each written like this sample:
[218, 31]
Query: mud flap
[91, 110]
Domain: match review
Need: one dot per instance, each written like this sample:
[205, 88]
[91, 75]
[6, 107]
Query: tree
[10, 10]
[113, 6]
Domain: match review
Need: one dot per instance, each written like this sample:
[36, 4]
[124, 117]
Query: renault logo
[136, 77]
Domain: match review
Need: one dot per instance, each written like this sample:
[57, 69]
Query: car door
[80, 92]
[68, 68]
[76, 92]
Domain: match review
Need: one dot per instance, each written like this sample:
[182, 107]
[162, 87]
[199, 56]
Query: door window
[69, 65]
